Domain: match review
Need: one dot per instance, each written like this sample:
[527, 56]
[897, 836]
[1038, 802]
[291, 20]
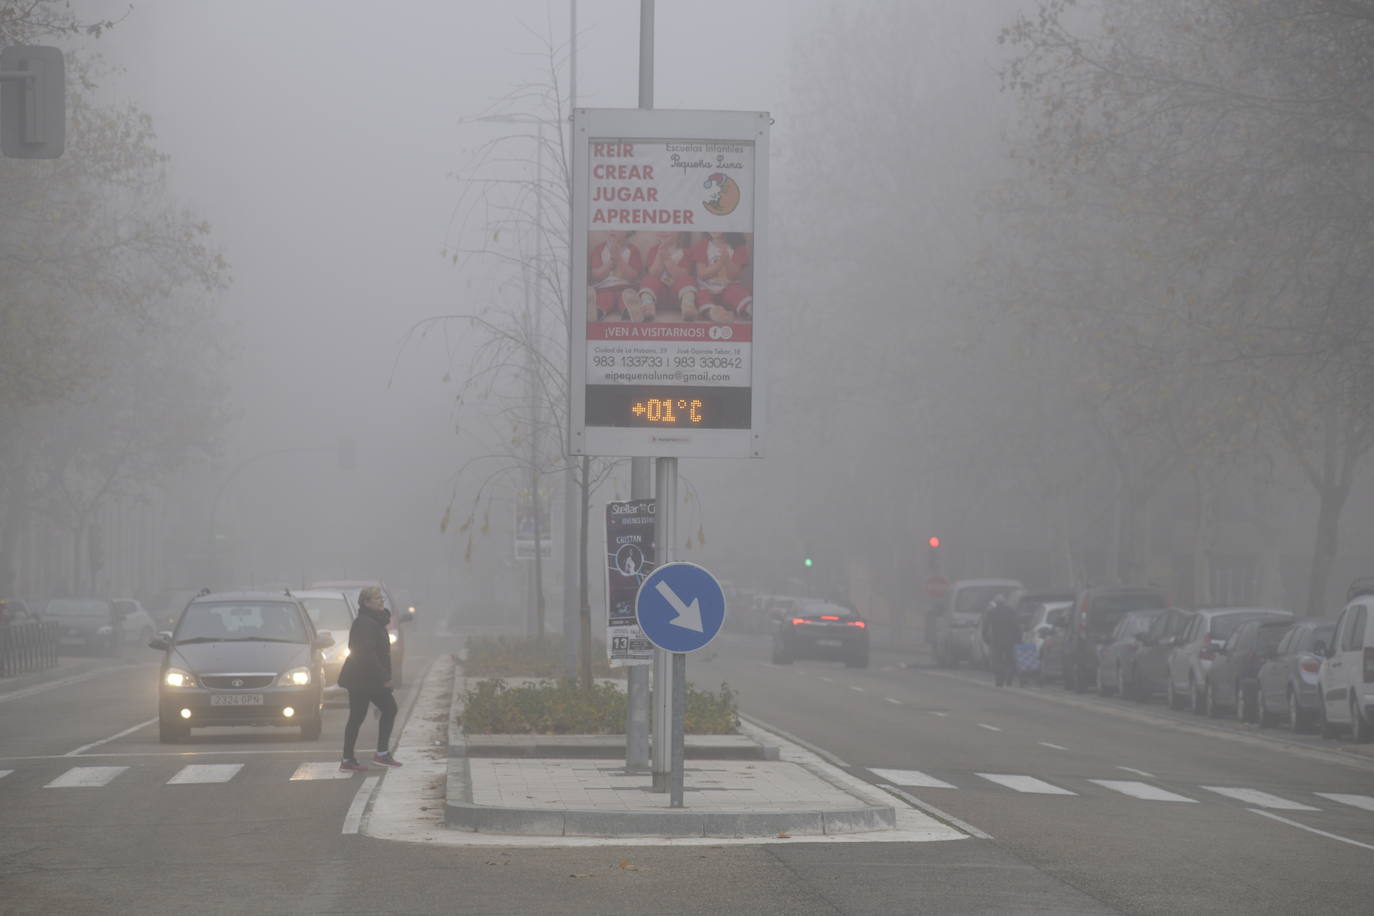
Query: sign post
[680, 608]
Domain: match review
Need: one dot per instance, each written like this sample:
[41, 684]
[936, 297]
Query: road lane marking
[1137, 772]
[1332, 836]
[85, 777]
[1025, 784]
[826, 679]
[1260, 799]
[1141, 790]
[354, 817]
[942, 715]
[128, 731]
[205, 772]
[893, 701]
[1057, 747]
[991, 728]
[4, 773]
[911, 778]
[1358, 801]
[857, 687]
[327, 770]
[936, 812]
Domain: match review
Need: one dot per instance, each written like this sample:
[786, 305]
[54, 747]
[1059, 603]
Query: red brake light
[798, 621]
[1310, 665]
[1369, 665]
[828, 617]
[860, 624]
[1207, 653]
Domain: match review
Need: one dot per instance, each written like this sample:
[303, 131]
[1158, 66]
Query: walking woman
[366, 675]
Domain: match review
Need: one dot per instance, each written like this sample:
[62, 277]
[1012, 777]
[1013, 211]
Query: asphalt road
[141, 838]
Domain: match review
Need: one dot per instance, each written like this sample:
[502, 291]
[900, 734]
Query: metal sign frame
[658, 126]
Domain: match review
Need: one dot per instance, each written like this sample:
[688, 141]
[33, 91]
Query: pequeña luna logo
[722, 194]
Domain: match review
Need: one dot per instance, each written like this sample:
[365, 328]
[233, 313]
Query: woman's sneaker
[385, 759]
[350, 763]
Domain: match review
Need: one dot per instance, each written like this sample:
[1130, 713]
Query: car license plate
[832, 643]
[235, 699]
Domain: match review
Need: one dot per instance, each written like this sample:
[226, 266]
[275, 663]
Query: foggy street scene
[635, 456]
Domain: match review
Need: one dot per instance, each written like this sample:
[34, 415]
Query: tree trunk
[1324, 552]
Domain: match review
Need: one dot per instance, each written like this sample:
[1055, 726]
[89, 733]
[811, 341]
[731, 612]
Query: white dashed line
[1057, 747]
[128, 731]
[1025, 784]
[828, 680]
[894, 702]
[1259, 799]
[1141, 773]
[858, 688]
[991, 728]
[4, 773]
[1141, 790]
[942, 715]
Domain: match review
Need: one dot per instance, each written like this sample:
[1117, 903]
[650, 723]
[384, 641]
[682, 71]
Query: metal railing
[25, 647]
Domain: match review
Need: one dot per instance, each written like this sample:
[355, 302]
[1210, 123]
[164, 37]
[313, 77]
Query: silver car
[1190, 659]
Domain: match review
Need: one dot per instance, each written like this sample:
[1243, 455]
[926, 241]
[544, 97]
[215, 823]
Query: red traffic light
[934, 542]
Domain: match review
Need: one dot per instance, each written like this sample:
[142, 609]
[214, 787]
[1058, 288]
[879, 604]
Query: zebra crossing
[94, 777]
[1144, 791]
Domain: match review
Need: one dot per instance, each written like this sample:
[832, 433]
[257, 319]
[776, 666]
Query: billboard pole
[637, 711]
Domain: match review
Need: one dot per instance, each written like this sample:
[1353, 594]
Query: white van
[1347, 673]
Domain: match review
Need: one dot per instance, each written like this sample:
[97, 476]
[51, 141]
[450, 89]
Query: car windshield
[819, 609]
[59, 607]
[328, 613]
[1223, 625]
[1137, 623]
[240, 621]
[1271, 635]
[974, 599]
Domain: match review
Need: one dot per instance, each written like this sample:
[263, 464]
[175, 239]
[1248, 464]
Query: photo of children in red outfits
[680, 276]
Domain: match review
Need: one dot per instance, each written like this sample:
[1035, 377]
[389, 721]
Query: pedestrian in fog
[366, 675]
[1001, 632]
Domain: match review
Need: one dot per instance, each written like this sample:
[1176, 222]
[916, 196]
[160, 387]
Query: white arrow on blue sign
[680, 607]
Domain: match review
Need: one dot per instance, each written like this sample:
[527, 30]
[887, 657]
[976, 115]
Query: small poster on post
[629, 559]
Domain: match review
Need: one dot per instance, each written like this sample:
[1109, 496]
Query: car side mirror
[323, 642]
[162, 642]
[1319, 648]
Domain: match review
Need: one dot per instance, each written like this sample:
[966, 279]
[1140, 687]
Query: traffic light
[807, 562]
[933, 557]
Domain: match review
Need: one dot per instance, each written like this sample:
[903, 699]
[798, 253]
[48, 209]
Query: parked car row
[1261, 665]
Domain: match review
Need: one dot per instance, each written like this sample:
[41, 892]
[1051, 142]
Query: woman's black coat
[368, 665]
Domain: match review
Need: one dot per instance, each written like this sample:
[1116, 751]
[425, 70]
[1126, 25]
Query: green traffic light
[807, 562]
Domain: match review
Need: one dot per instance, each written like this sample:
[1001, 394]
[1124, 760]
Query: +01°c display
[687, 406]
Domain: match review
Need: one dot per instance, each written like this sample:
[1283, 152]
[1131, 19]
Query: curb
[461, 813]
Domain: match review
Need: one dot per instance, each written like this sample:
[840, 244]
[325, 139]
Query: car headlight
[296, 677]
[175, 677]
[391, 635]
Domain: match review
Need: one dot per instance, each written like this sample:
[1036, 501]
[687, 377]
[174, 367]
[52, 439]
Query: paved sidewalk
[780, 792]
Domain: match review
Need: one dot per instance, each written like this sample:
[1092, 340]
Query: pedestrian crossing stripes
[1025, 784]
[1145, 791]
[4, 773]
[205, 772]
[1357, 801]
[1141, 790]
[191, 774]
[85, 777]
[1259, 799]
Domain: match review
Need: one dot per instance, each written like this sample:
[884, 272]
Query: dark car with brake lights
[241, 659]
[819, 629]
[399, 615]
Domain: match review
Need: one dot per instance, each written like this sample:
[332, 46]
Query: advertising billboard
[670, 295]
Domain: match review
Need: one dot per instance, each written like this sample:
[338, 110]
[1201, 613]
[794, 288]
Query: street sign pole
[665, 544]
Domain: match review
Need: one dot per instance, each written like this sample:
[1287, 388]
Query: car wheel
[1266, 718]
[170, 731]
[1175, 701]
[1297, 722]
[1244, 706]
[1360, 731]
[1329, 729]
[1199, 701]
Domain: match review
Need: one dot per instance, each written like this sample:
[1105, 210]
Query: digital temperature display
[676, 406]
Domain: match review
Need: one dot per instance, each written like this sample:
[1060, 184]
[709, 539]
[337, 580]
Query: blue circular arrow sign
[680, 607]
